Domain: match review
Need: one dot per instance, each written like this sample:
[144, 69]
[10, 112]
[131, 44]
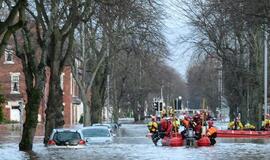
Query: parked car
[97, 134]
[109, 126]
[66, 138]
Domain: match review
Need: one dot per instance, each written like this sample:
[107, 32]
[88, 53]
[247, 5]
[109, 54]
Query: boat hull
[242, 134]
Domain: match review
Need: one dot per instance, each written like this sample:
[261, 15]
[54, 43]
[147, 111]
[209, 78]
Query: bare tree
[232, 32]
[11, 22]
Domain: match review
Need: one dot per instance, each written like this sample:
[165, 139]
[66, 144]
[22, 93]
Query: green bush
[2, 101]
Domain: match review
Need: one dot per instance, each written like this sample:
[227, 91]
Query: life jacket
[163, 125]
[266, 123]
[185, 123]
[235, 125]
[176, 125]
[152, 126]
[211, 131]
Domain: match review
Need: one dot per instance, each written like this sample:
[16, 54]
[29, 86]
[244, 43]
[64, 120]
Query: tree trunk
[55, 108]
[30, 124]
[86, 108]
[135, 110]
[256, 82]
[98, 95]
[35, 82]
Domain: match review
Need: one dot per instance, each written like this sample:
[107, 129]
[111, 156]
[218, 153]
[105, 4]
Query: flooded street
[131, 144]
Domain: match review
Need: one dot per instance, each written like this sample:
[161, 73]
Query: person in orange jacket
[186, 123]
[211, 132]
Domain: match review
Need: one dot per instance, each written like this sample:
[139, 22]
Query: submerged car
[97, 134]
[109, 126]
[66, 138]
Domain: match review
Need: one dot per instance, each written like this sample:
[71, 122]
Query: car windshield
[96, 132]
[66, 136]
[105, 125]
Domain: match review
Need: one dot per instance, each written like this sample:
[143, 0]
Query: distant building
[12, 86]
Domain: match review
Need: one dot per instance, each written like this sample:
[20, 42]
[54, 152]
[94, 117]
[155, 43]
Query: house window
[15, 83]
[8, 56]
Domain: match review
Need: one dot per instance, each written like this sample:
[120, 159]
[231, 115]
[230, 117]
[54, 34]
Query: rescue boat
[176, 141]
[242, 134]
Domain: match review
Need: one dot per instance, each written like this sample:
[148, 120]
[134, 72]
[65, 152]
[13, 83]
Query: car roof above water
[65, 129]
[95, 127]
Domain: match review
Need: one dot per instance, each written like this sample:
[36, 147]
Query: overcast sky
[175, 27]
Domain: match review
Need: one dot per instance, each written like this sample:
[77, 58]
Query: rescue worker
[266, 124]
[236, 125]
[153, 128]
[175, 125]
[186, 123]
[211, 132]
[163, 124]
[249, 127]
[171, 112]
[197, 123]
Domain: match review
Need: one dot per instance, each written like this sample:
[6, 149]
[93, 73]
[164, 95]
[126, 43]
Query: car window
[105, 125]
[95, 132]
[66, 136]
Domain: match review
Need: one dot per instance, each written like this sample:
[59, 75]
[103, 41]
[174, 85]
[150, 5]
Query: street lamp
[180, 102]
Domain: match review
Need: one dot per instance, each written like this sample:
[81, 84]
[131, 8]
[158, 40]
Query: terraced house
[12, 82]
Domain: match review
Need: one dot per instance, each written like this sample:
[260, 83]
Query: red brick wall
[7, 113]
[67, 95]
[5, 77]
[5, 83]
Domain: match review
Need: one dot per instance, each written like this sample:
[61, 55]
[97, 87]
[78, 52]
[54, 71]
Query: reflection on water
[243, 140]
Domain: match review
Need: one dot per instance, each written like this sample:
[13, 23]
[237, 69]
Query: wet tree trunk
[55, 108]
[35, 82]
[30, 124]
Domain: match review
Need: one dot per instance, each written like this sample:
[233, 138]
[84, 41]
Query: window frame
[7, 53]
[12, 75]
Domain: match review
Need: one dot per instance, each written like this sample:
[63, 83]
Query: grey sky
[175, 27]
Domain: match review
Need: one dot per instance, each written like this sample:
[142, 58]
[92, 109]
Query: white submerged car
[97, 135]
[66, 138]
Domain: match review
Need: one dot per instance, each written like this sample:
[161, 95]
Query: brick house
[12, 82]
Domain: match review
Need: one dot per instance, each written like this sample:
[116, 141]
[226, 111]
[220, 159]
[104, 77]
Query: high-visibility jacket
[211, 131]
[176, 125]
[235, 125]
[266, 123]
[152, 126]
[249, 126]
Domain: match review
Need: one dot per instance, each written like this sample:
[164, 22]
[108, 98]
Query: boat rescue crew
[196, 129]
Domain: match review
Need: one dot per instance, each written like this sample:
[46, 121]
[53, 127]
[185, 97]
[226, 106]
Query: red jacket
[164, 124]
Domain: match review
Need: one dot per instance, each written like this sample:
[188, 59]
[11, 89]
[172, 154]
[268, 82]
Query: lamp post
[265, 70]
